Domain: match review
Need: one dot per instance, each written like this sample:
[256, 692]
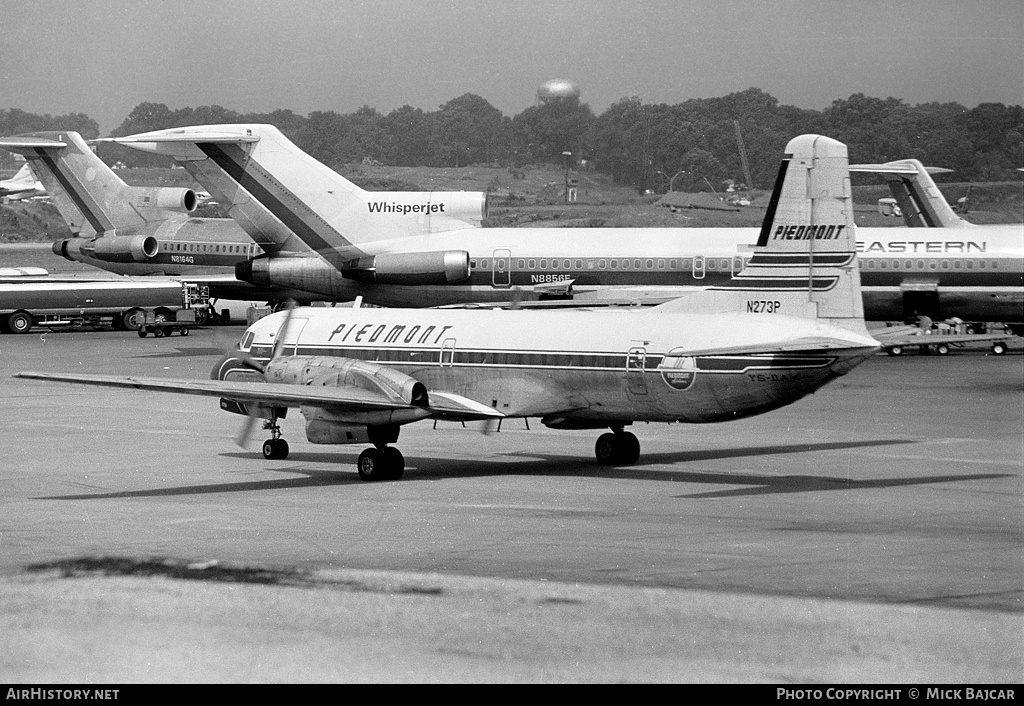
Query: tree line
[692, 145]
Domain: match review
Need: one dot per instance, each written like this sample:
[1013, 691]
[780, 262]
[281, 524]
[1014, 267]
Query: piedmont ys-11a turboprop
[788, 324]
[280, 192]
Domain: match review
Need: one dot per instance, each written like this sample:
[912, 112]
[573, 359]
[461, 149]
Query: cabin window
[565, 265]
[472, 264]
[995, 265]
[920, 264]
[543, 264]
[615, 264]
[579, 265]
[931, 265]
[672, 264]
[661, 264]
[945, 264]
[884, 264]
[956, 264]
[602, 264]
[686, 264]
[908, 265]
[981, 264]
[483, 264]
[636, 264]
[532, 264]
[520, 264]
[590, 264]
[649, 264]
[895, 264]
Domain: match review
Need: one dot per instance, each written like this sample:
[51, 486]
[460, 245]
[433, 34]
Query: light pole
[567, 155]
[673, 179]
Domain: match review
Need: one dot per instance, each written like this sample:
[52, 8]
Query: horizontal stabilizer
[902, 166]
[18, 143]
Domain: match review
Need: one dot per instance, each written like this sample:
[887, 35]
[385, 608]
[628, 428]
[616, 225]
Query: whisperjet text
[404, 208]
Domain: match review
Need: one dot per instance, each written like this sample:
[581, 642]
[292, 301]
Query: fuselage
[974, 273]
[617, 365]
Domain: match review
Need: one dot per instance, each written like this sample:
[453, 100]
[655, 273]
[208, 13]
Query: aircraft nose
[236, 367]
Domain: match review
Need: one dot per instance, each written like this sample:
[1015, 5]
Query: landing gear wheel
[629, 448]
[617, 449]
[370, 465]
[394, 463]
[606, 450]
[894, 350]
[19, 322]
[386, 463]
[998, 348]
[274, 449]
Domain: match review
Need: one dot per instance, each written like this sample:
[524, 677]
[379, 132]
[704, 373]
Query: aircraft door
[290, 335]
[501, 268]
[447, 352]
[698, 267]
[636, 361]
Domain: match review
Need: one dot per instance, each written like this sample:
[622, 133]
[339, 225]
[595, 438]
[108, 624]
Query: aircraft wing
[444, 405]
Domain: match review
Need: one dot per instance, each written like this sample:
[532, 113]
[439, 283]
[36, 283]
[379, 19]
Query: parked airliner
[790, 322]
[279, 191]
[131, 230]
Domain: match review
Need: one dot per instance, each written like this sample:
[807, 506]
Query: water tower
[557, 89]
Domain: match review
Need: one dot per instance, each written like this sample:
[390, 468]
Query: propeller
[245, 432]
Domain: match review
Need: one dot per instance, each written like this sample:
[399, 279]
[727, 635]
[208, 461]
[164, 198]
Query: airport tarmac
[871, 532]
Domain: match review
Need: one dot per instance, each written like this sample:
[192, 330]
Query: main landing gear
[619, 448]
[275, 447]
[381, 463]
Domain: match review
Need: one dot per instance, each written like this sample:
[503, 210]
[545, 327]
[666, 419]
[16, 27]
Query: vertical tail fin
[277, 192]
[805, 261]
[920, 200]
[90, 197]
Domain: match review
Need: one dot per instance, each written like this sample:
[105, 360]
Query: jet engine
[166, 198]
[442, 267]
[111, 248]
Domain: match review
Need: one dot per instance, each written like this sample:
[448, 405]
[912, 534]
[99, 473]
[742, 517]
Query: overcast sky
[104, 57]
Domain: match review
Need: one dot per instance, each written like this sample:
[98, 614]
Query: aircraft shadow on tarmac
[551, 465]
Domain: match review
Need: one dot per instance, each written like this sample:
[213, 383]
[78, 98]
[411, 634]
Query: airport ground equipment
[195, 305]
[939, 338]
[120, 304]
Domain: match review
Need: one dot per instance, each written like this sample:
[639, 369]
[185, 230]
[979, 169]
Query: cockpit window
[247, 340]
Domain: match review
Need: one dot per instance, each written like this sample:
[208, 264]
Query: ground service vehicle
[121, 304]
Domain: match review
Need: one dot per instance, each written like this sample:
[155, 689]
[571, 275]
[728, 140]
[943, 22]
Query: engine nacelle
[441, 267]
[111, 248]
[166, 198]
[329, 371]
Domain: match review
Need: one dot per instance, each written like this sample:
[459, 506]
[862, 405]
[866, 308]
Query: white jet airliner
[279, 192]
